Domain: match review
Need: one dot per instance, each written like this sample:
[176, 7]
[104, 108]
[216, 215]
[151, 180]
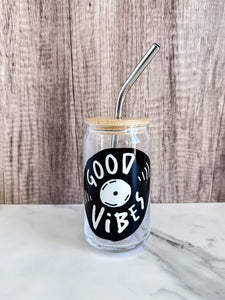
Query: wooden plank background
[62, 61]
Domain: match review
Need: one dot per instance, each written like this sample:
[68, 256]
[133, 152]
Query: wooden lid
[113, 124]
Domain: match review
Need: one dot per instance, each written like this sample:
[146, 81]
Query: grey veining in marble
[43, 255]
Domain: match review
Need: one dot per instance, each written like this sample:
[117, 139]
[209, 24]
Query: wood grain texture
[64, 61]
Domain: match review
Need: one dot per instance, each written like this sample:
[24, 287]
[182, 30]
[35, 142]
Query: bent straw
[130, 81]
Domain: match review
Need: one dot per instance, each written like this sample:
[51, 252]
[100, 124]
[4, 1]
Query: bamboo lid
[114, 124]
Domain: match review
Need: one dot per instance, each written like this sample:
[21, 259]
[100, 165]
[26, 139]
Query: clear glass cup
[116, 183]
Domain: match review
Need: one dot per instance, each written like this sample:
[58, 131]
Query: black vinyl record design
[116, 191]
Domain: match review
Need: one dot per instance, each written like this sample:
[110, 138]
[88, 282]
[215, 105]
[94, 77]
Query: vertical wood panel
[62, 61]
[37, 111]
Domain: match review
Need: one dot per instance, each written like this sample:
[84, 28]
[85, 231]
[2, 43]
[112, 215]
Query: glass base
[114, 248]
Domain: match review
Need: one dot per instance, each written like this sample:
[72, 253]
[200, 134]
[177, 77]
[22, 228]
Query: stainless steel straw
[130, 81]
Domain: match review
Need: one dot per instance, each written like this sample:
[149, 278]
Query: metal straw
[130, 81]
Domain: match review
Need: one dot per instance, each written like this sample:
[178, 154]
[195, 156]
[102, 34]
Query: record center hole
[115, 193]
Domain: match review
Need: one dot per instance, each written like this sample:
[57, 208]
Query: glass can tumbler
[116, 183]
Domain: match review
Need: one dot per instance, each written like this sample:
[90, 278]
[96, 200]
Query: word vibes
[115, 200]
[120, 217]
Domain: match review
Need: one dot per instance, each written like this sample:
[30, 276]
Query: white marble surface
[43, 255]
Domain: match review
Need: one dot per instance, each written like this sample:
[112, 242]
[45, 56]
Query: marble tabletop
[43, 255]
